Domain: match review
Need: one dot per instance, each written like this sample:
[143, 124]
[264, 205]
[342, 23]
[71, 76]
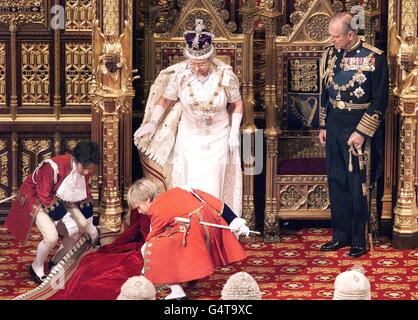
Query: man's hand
[356, 139]
[322, 136]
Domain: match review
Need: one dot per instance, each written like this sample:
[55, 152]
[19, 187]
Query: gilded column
[405, 231]
[13, 70]
[271, 226]
[249, 13]
[57, 60]
[112, 93]
[110, 107]
[110, 204]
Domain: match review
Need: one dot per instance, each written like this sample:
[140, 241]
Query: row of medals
[360, 64]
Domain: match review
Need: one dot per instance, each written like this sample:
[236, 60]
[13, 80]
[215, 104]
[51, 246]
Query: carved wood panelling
[23, 11]
[78, 73]
[69, 142]
[35, 66]
[79, 15]
[32, 151]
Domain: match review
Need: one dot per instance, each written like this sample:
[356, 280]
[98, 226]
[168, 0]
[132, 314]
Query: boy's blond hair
[142, 190]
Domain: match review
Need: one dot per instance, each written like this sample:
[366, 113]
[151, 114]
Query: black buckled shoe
[51, 265]
[333, 245]
[34, 276]
[357, 251]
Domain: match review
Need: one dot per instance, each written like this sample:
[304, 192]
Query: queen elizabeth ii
[204, 153]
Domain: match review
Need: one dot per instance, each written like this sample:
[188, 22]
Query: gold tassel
[328, 78]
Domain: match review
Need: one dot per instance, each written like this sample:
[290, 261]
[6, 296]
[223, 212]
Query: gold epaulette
[373, 49]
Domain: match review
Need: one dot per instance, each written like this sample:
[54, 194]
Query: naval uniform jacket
[358, 78]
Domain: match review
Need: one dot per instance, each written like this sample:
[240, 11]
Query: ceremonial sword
[365, 189]
[186, 220]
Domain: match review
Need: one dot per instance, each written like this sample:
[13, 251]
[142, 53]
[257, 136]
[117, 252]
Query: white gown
[200, 156]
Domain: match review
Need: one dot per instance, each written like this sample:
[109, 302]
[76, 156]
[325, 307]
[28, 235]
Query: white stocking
[41, 255]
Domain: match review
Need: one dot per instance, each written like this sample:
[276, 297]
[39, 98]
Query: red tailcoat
[39, 191]
[176, 253]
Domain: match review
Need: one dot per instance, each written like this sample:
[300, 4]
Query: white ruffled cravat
[73, 188]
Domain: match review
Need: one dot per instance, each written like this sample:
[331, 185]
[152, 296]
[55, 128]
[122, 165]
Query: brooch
[359, 92]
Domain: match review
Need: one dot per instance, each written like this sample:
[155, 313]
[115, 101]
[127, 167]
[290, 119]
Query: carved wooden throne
[296, 177]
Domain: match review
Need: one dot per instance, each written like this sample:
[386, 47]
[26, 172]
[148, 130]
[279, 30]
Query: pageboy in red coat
[175, 252]
[57, 197]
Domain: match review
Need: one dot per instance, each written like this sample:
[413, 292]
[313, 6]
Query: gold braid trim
[368, 124]
[325, 69]
[373, 49]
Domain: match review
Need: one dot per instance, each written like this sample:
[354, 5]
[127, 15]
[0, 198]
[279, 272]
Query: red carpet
[291, 269]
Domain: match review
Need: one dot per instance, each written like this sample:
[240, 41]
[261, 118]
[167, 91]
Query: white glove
[233, 140]
[148, 128]
[92, 231]
[70, 225]
[239, 227]
[151, 126]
